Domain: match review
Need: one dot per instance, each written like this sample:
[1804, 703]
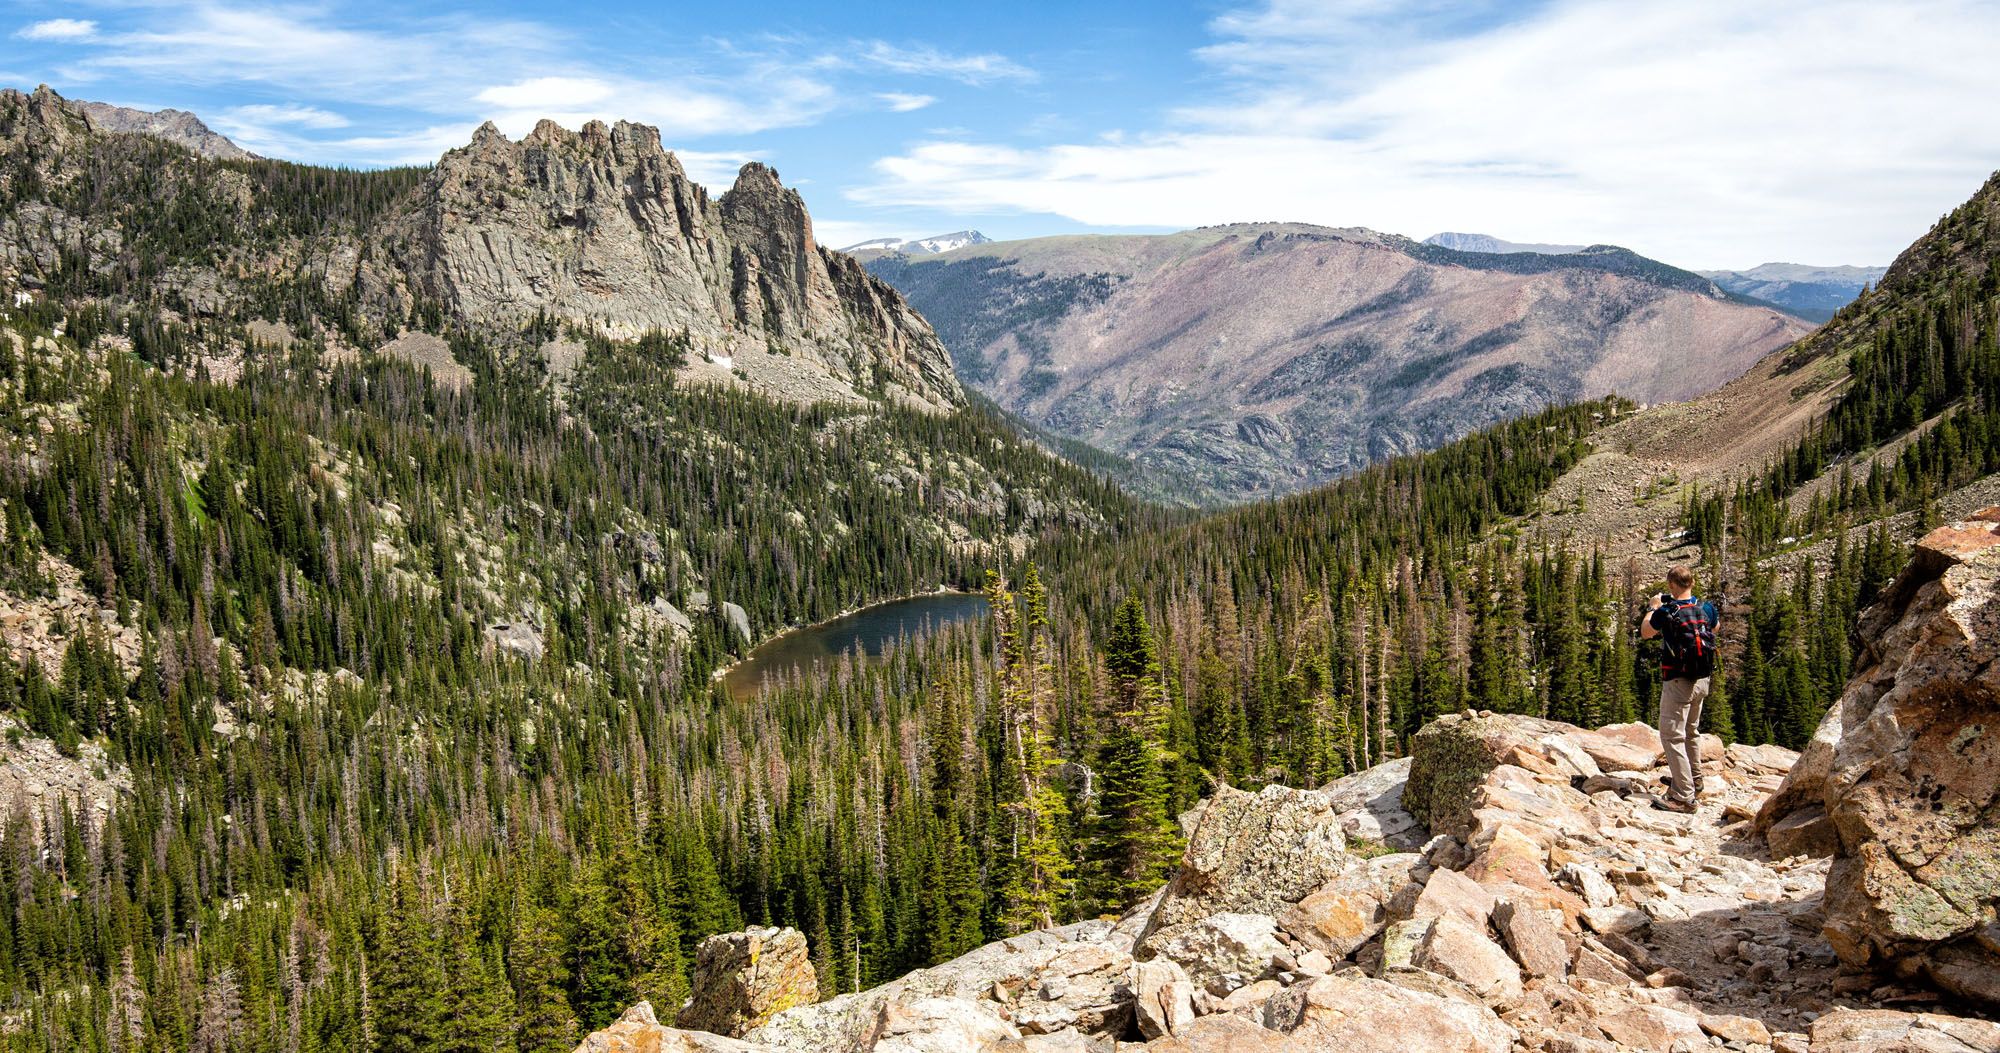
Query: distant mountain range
[175, 126]
[1489, 243]
[932, 245]
[1809, 292]
[1259, 359]
[1812, 293]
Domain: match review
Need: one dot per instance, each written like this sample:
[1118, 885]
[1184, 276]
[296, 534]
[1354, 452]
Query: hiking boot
[1668, 804]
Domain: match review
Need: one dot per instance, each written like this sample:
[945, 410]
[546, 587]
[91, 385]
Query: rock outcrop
[603, 227]
[640, 1031]
[1902, 780]
[743, 979]
[1556, 910]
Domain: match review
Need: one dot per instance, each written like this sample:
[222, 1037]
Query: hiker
[1686, 626]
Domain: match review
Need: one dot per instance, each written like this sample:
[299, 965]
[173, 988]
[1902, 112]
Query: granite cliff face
[603, 227]
[1260, 359]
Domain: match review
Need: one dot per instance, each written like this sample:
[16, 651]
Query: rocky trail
[1510, 886]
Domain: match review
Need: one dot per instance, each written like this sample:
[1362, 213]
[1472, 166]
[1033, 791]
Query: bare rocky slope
[598, 229]
[175, 126]
[1625, 499]
[1264, 358]
[1509, 886]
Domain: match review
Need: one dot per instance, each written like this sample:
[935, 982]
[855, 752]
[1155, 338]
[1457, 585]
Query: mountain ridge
[1262, 358]
[598, 228]
[175, 126]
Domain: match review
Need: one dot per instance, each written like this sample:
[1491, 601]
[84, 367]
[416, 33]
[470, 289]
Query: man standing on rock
[1685, 624]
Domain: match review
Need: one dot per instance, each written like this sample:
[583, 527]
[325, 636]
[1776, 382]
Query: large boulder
[1370, 805]
[742, 979]
[1348, 911]
[1358, 1014]
[1889, 1031]
[1455, 948]
[1223, 952]
[1451, 757]
[1250, 853]
[1163, 998]
[639, 1031]
[1048, 980]
[936, 1025]
[1909, 776]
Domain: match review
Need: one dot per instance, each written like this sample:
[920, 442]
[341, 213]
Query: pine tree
[1133, 839]
[1037, 880]
[543, 1020]
[476, 1005]
[406, 980]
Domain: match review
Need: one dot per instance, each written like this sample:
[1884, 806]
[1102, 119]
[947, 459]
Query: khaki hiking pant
[1680, 735]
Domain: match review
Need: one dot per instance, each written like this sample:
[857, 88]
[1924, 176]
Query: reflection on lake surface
[869, 630]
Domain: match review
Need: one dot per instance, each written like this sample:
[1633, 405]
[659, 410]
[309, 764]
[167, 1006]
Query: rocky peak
[602, 227]
[41, 115]
[174, 126]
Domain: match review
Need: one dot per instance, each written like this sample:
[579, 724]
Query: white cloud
[901, 102]
[294, 114]
[59, 30]
[558, 93]
[1705, 133]
[928, 61]
[716, 169]
[680, 109]
[447, 73]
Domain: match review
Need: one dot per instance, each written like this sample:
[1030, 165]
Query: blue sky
[1707, 134]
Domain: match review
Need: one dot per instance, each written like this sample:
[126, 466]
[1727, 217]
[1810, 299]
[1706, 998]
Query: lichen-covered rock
[1163, 998]
[1223, 952]
[1806, 832]
[1370, 805]
[936, 1025]
[1087, 987]
[742, 979]
[1534, 936]
[1451, 756]
[1250, 852]
[1909, 777]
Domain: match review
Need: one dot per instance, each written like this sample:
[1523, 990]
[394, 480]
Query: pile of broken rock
[1508, 886]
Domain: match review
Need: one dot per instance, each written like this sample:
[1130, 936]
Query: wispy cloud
[902, 102]
[716, 169]
[1706, 133]
[441, 74]
[59, 29]
[294, 115]
[923, 60]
